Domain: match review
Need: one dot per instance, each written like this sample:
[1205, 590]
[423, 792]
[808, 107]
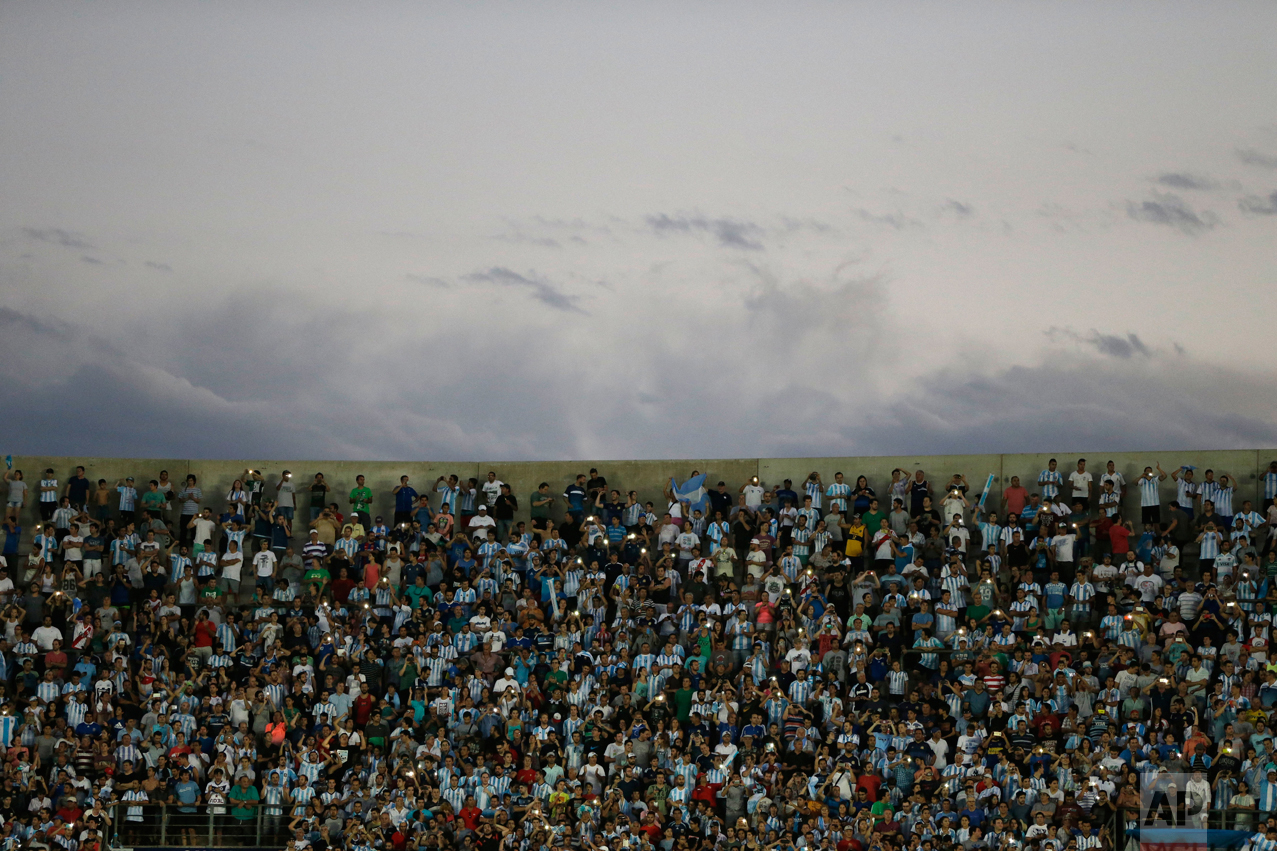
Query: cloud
[897, 220]
[730, 233]
[1071, 401]
[1167, 209]
[428, 280]
[1184, 180]
[58, 236]
[1250, 156]
[542, 290]
[1256, 206]
[160, 267]
[90, 260]
[658, 401]
[1113, 345]
[959, 209]
[524, 239]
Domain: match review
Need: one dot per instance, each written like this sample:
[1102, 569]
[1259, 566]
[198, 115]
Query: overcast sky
[611, 230]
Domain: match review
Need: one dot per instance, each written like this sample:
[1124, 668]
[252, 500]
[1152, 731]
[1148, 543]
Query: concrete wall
[650, 477]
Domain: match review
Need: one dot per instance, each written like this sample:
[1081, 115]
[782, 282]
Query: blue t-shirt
[405, 499]
[187, 792]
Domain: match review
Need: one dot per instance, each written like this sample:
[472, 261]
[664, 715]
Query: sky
[636, 230]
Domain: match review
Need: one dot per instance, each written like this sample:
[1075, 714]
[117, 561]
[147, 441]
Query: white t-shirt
[285, 495]
[44, 636]
[265, 562]
[204, 530]
[1148, 586]
[480, 524]
[233, 563]
[492, 490]
[72, 544]
[753, 495]
[1081, 483]
[1116, 478]
[1064, 547]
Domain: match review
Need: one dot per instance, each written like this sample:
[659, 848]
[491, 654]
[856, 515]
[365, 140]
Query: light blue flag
[692, 492]
[987, 487]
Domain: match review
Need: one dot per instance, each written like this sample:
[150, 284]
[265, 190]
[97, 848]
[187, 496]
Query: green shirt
[683, 704]
[416, 593]
[361, 498]
[317, 578]
[153, 500]
[872, 521]
[540, 510]
[239, 793]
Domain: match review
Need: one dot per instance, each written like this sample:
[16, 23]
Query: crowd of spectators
[842, 664]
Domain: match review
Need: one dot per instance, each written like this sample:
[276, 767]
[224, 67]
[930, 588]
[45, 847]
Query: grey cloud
[813, 225]
[542, 290]
[428, 280]
[90, 260]
[58, 236]
[1072, 401]
[524, 239]
[1112, 389]
[1166, 209]
[730, 233]
[958, 208]
[1250, 156]
[897, 220]
[1185, 180]
[1113, 345]
[1256, 206]
[160, 267]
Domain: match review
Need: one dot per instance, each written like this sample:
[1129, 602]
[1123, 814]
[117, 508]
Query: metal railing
[1224, 818]
[145, 825]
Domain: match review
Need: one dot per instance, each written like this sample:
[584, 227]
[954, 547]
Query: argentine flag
[692, 492]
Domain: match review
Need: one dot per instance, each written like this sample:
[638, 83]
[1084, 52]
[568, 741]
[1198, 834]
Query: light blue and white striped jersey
[1210, 544]
[1224, 500]
[1267, 796]
[177, 566]
[814, 491]
[48, 692]
[1185, 492]
[631, 514]
[448, 496]
[838, 494]
[800, 536]
[1050, 481]
[128, 497]
[1270, 485]
[466, 500]
[303, 795]
[8, 726]
[1150, 496]
[349, 546]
